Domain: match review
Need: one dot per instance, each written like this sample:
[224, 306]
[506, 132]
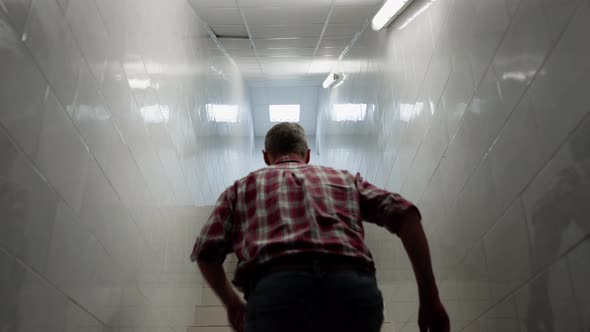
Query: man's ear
[308, 156]
[266, 158]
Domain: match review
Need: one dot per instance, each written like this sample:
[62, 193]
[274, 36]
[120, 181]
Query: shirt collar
[287, 159]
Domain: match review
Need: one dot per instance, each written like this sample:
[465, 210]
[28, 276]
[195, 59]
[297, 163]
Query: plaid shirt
[292, 207]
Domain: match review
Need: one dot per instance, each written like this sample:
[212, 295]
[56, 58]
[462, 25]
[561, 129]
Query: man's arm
[432, 315]
[231, 299]
[216, 278]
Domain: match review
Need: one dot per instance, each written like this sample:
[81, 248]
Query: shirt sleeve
[382, 207]
[214, 242]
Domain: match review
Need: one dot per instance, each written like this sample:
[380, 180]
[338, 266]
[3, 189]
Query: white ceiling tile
[338, 42]
[283, 60]
[342, 30]
[230, 30]
[286, 43]
[351, 15]
[241, 52]
[246, 60]
[198, 4]
[221, 16]
[285, 31]
[331, 51]
[357, 3]
[282, 16]
[284, 3]
[235, 43]
[285, 51]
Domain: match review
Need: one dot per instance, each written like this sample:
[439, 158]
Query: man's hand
[233, 302]
[236, 313]
[433, 317]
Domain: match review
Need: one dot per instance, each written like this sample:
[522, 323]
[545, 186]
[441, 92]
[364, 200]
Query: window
[284, 113]
[222, 113]
[349, 112]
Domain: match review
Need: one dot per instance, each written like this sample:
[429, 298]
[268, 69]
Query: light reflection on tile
[492, 168]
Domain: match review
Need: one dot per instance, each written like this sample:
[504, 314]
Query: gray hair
[285, 138]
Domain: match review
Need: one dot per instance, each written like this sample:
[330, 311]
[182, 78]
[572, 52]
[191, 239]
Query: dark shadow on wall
[562, 211]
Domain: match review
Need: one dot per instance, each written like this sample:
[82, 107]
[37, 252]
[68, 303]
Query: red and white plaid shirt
[292, 207]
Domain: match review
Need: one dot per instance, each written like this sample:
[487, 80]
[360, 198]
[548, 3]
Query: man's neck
[288, 157]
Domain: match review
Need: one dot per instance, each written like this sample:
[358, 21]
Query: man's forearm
[215, 277]
[414, 240]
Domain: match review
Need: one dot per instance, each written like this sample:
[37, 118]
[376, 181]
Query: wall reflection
[120, 121]
[469, 122]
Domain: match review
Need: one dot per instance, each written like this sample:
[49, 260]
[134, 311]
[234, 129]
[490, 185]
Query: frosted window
[284, 113]
[349, 112]
[222, 113]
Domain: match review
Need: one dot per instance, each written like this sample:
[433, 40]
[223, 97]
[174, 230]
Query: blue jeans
[293, 301]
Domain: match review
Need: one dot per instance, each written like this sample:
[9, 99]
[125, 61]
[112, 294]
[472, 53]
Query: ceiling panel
[241, 52]
[330, 51]
[285, 51]
[235, 43]
[284, 3]
[286, 43]
[357, 3]
[230, 30]
[339, 42]
[342, 30]
[283, 60]
[351, 15]
[286, 16]
[221, 16]
[286, 69]
[285, 31]
[198, 4]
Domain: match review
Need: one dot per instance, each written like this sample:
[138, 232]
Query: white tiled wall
[478, 112]
[106, 151]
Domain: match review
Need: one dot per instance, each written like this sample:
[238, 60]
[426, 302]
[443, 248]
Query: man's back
[291, 208]
[297, 232]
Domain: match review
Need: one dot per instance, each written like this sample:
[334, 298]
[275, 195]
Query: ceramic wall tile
[548, 302]
[500, 148]
[109, 146]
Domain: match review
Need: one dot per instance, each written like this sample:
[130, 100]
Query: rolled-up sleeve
[382, 207]
[214, 242]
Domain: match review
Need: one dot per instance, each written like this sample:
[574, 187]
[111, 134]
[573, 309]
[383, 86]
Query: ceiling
[272, 39]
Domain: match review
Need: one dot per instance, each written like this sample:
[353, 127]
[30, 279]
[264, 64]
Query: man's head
[285, 139]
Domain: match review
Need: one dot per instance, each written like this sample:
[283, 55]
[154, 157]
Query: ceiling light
[330, 80]
[388, 12]
[284, 113]
[416, 14]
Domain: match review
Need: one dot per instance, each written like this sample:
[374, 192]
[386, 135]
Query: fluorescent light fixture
[284, 113]
[330, 80]
[388, 12]
[416, 14]
[222, 113]
[349, 112]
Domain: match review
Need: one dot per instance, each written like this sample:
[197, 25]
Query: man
[303, 264]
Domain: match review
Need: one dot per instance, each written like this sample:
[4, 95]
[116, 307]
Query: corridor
[122, 121]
